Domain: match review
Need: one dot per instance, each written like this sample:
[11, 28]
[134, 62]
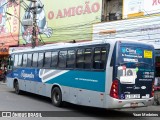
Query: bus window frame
[44, 64]
[15, 65]
[74, 61]
[23, 60]
[60, 62]
[30, 65]
[75, 49]
[56, 65]
[38, 61]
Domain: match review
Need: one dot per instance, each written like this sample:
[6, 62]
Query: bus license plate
[134, 104]
[132, 96]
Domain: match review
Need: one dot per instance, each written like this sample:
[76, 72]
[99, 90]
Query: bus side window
[88, 58]
[71, 59]
[54, 59]
[29, 60]
[47, 59]
[99, 59]
[103, 57]
[16, 60]
[62, 59]
[40, 59]
[80, 59]
[19, 60]
[24, 60]
[34, 59]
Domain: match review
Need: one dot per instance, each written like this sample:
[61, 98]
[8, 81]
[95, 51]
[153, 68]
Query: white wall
[142, 29]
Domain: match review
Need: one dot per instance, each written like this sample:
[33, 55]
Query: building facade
[61, 21]
[57, 21]
[64, 21]
[140, 21]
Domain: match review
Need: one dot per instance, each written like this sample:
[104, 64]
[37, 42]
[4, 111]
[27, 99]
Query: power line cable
[4, 4]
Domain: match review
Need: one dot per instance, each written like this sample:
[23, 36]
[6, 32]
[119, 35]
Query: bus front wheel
[16, 87]
[56, 97]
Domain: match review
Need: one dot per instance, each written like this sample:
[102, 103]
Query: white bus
[104, 74]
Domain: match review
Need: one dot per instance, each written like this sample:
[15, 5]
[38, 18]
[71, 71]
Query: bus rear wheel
[56, 97]
[16, 87]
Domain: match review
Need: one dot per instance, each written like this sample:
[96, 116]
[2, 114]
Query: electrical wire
[4, 4]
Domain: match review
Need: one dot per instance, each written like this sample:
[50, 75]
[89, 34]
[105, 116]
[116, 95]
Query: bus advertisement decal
[147, 54]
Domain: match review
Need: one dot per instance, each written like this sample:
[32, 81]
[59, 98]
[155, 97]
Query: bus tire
[56, 97]
[16, 87]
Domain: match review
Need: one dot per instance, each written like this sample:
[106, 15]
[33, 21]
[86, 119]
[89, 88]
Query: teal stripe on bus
[81, 79]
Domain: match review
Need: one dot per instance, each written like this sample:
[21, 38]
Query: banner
[135, 8]
[9, 23]
[60, 20]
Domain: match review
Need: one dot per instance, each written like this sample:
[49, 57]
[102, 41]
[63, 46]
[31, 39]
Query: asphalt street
[9, 101]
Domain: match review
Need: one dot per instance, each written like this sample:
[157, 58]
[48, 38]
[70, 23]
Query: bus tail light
[152, 93]
[114, 89]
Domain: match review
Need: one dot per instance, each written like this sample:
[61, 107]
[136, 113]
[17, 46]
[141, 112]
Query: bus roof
[156, 46]
[66, 45]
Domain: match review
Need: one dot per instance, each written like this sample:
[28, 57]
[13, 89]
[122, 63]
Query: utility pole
[34, 29]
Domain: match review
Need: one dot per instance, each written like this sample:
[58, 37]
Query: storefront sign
[62, 20]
